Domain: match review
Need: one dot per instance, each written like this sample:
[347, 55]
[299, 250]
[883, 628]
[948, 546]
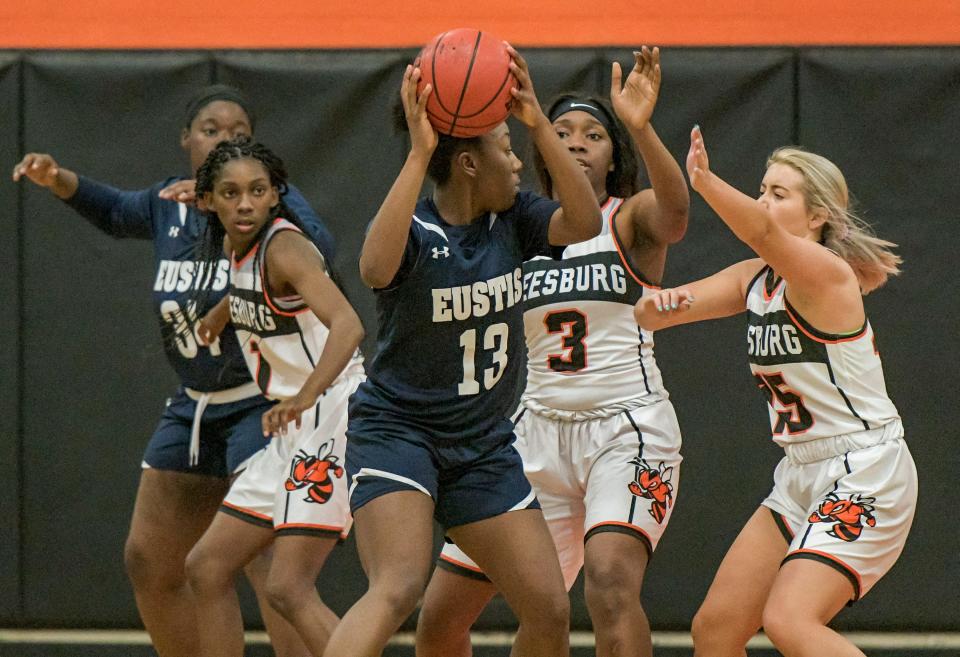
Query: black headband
[212, 94]
[595, 110]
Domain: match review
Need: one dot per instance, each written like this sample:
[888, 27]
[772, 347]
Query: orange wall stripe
[380, 23]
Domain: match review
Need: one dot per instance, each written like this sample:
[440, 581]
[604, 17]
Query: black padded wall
[93, 378]
[11, 376]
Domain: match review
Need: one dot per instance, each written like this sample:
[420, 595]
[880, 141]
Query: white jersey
[281, 338]
[816, 384]
[579, 323]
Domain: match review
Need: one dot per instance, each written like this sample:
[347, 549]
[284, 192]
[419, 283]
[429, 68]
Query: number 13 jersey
[816, 384]
[585, 350]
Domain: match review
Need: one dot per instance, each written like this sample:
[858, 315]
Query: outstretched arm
[720, 295]
[810, 269]
[383, 247]
[578, 218]
[296, 266]
[43, 170]
[659, 213]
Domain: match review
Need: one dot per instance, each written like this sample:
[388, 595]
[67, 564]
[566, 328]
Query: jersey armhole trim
[820, 336]
[265, 282]
[621, 249]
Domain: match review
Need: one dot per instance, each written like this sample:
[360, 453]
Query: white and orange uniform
[298, 483]
[846, 490]
[598, 435]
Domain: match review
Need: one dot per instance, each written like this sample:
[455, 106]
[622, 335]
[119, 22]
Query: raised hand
[634, 100]
[423, 136]
[698, 165]
[525, 106]
[40, 168]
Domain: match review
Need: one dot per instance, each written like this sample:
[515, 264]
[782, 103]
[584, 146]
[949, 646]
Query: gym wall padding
[94, 378]
[10, 375]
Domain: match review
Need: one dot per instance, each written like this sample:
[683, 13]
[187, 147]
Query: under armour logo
[437, 252]
[174, 231]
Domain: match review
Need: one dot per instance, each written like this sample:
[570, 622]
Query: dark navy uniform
[432, 414]
[216, 376]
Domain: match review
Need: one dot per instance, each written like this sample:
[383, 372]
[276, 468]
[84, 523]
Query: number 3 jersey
[450, 336]
[816, 384]
[281, 337]
[585, 351]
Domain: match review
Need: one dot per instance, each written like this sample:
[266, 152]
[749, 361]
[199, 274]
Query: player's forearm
[385, 242]
[65, 184]
[742, 214]
[668, 183]
[346, 333]
[581, 214]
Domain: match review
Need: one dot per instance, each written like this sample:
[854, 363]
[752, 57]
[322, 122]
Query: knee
[708, 626]
[286, 596]
[400, 595]
[549, 612]
[780, 625]
[205, 572]
[150, 570]
[611, 591]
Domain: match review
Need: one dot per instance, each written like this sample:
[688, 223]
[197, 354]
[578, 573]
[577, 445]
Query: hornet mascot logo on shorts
[314, 472]
[653, 484]
[849, 515]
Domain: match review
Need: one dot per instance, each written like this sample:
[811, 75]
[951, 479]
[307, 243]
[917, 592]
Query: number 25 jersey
[816, 384]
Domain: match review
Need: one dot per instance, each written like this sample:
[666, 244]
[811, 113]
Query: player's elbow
[373, 274]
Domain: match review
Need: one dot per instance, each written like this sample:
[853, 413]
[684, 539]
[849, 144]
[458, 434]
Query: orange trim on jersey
[265, 284]
[624, 260]
[799, 322]
[459, 563]
[607, 523]
[247, 512]
[307, 525]
[832, 558]
[237, 263]
[773, 292]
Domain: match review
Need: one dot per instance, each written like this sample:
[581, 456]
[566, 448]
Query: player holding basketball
[211, 425]
[845, 493]
[299, 335]
[428, 433]
[598, 436]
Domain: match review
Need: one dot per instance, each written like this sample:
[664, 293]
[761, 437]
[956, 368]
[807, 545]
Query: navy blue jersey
[175, 229]
[450, 339]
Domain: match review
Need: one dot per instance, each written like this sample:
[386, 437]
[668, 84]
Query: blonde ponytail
[849, 236]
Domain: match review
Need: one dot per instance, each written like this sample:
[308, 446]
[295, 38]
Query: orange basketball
[471, 78]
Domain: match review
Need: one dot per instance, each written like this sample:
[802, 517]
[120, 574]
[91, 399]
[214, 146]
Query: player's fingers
[616, 79]
[422, 101]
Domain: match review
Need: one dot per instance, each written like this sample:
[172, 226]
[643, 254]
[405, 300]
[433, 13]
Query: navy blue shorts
[469, 481]
[229, 435]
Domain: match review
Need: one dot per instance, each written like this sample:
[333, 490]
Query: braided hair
[210, 246]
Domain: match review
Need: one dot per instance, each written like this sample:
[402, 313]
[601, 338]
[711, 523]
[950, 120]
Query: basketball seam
[495, 96]
[466, 81]
[433, 73]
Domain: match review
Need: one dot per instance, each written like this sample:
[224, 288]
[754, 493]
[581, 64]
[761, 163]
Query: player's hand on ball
[40, 168]
[423, 136]
[182, 191]
[698, 165]
[525, 106]
[634, 100]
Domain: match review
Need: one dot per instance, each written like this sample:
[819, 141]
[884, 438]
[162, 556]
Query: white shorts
[298, 484]
[614, 474]
[852, 510]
